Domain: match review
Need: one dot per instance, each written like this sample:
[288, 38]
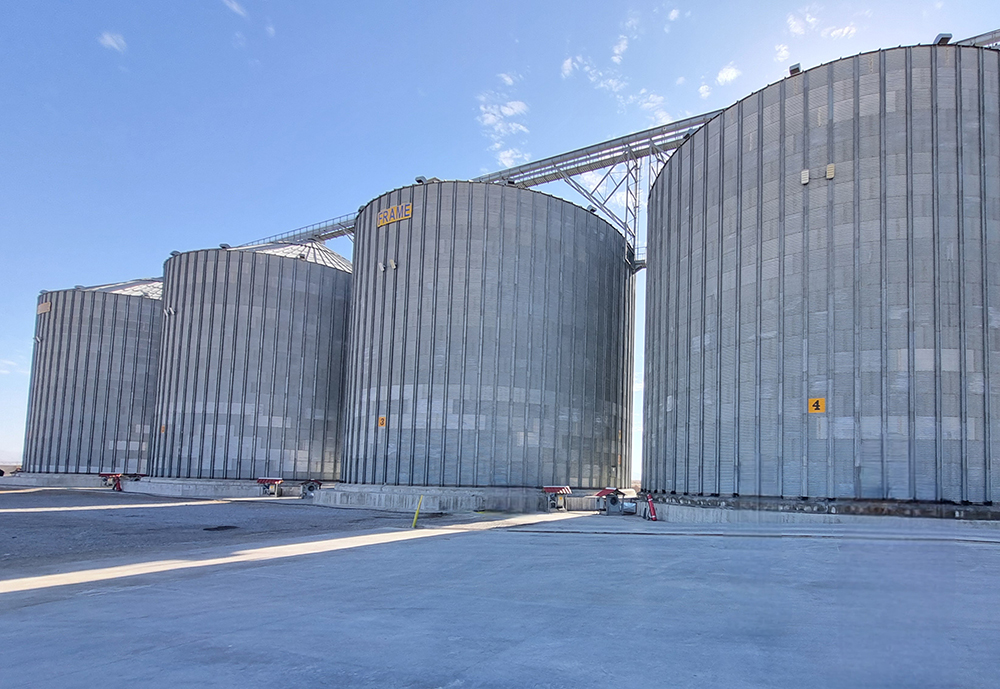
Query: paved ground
[302, 596]
[44, 528]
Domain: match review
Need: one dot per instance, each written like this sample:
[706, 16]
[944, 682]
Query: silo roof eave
[313, 252]
[475, 181]
[151, 288]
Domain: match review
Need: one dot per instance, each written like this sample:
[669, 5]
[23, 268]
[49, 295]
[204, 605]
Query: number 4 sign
[817, 405]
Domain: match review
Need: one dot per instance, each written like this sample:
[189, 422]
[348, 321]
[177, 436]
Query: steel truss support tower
[620, 159]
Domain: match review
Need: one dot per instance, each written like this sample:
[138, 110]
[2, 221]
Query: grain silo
[823, 306]
[251, 376]
[490, 341]
[93, 379]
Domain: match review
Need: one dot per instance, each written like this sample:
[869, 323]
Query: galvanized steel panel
[491, 342]
[93, 381]
[872, 285]
[251, 373]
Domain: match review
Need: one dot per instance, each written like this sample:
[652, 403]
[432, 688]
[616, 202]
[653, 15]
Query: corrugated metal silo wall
[93, 383]
[492, 337]
[251, 377]
[876, 290]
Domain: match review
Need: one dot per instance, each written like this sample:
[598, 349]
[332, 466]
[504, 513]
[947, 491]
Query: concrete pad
[716, 515]
[736, 508]
[24, 480]
[391, 498]
[561, 600]
[194, 487]
[431, 499]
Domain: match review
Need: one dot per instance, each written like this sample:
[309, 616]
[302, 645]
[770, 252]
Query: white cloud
[494, 116]
[780, 52]
[8, 366]
[112, 41]
[513, 108]
[798, 24]
[619, 49]
[804, 21]
[501, 119]
[511, 157]
[680, 81]
[843, 32]
[649, 101]
[507, 79]
[270, 30]
[632, 24]
[235, 7]
[610, 79]
[239, 40]
[727, 74]
[705, 90]
[662, 117]
[673, 16]
[612, 84]
[602, 80]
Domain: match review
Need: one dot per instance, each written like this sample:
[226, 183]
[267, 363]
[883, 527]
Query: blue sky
[130, 129]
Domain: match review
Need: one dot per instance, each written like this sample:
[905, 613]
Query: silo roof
[314, 252]
[151, 288]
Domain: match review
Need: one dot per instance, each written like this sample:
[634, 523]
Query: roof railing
[983, 40]
[321, 231]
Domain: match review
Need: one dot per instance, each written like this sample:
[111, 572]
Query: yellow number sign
[381, 422]
[817, 405]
